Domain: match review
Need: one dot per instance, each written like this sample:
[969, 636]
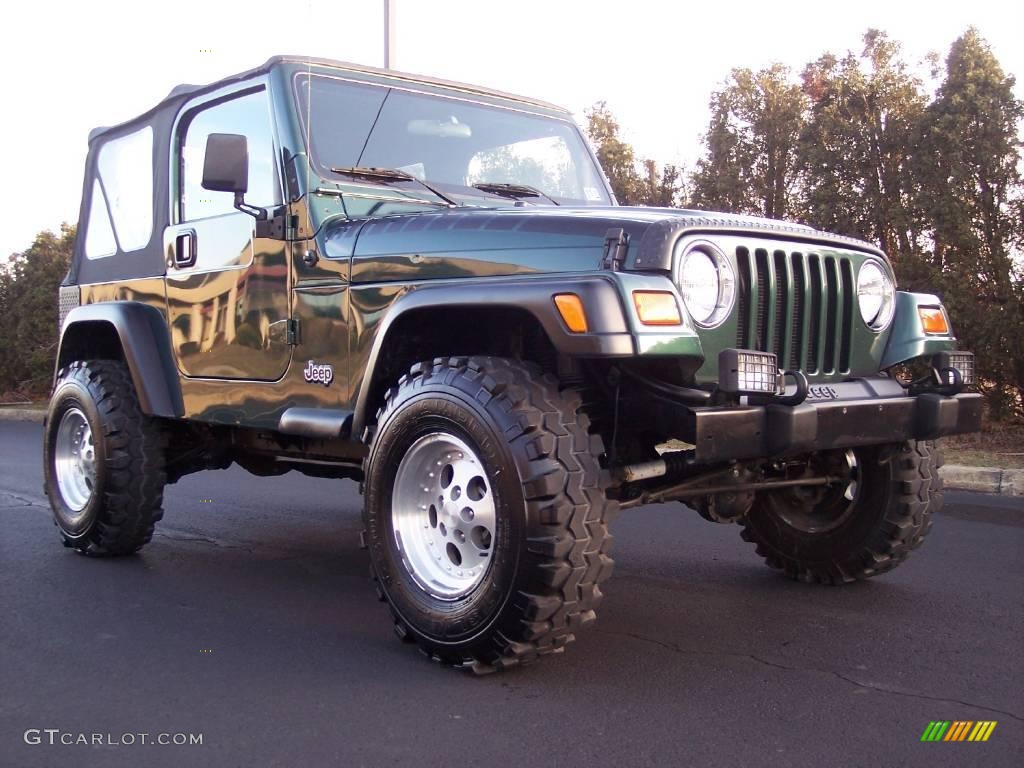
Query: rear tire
[503, 435]
[898, 490]
[103, 460]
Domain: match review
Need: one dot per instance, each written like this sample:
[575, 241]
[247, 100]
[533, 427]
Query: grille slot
[797, 305]
[798, 332]
[783, 309]
[844, 338]
[829, 317]
[743, 289]
[763, 292]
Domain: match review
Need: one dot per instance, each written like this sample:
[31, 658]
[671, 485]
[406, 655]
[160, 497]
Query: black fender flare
[607, 335]
[145, 344]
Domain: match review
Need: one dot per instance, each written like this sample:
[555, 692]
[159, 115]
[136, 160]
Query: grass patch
[999, 444]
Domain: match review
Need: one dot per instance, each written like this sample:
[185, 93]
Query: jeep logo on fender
[821, 392]
[319, 373]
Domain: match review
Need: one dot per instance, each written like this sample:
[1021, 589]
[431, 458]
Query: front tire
[485, 511]
[838, 540]
[103, 460]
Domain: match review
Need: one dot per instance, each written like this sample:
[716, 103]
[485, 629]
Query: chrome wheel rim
[443, 516]
[74, 458]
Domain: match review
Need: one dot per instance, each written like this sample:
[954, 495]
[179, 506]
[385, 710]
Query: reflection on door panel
[227, 291]
[222, 309]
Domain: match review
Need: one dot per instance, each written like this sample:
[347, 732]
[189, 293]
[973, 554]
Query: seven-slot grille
[798, 305]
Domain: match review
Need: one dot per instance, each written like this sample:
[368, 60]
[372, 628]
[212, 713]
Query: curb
[22, 414]
[1000, 482]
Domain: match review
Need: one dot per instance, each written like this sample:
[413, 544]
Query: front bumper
[755, 431]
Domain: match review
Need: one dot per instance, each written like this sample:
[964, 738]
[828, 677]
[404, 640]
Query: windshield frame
[323, 169]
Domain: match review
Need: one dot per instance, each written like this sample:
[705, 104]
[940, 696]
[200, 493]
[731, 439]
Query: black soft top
[181, 93]
[148, 261]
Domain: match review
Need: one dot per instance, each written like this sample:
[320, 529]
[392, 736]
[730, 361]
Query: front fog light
[962, 362]
[743, 371]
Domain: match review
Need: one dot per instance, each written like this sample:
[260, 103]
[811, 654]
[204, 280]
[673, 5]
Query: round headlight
[706, 283]
[876, 295]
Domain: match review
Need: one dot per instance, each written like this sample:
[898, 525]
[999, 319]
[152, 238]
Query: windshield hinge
[275, 225]
[616, 244]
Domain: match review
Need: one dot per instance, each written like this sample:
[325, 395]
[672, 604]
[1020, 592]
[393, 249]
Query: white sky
[70, 66]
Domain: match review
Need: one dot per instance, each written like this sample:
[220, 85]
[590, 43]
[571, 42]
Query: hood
[513, 240]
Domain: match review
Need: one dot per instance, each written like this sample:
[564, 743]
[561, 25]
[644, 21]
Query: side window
[121, 209]
[99, 235]
[248, 115]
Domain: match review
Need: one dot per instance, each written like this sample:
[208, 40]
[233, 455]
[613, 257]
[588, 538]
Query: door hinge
[616, 244]
[285, 332]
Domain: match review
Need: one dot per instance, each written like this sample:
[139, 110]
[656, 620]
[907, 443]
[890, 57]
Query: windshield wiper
[389, 174]
[514, 191]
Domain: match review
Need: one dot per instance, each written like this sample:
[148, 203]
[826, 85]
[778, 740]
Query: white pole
[389, 34]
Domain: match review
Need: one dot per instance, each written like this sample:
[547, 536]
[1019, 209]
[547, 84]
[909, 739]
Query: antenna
[389, 34]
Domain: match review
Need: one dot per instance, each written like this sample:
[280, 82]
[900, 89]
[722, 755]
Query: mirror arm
[260, 214]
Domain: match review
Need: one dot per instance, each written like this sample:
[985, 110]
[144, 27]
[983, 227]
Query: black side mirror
[226, 169]
[226, 166]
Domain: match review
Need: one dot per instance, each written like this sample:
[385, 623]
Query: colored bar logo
[958, 730]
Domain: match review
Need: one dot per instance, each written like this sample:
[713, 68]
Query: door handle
[185, 249]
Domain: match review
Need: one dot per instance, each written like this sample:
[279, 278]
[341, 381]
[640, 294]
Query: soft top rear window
[122, 195]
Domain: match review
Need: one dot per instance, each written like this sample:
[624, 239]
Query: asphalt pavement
[250, 620]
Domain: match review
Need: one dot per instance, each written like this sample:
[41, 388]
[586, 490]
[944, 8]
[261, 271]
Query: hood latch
[616, 245]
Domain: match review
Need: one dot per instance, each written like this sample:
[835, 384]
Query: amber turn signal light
[571, 309]
[657, 308]
[933, 320]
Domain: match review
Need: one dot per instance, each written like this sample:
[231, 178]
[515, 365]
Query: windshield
[448, 142]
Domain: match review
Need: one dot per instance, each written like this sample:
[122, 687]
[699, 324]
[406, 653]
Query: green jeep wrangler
[428, 288]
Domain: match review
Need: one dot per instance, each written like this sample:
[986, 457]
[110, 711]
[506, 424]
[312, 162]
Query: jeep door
[227, 289]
